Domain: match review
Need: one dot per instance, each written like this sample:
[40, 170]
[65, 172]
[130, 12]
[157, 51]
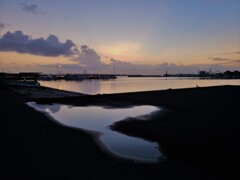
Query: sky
[134, 36]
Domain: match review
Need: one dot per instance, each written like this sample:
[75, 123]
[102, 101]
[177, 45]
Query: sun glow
[120, 49]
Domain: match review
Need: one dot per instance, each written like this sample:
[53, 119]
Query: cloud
[237, 52]
[219, 59]
[194, 68]
[31, 8]
[89, 58]
[129, 68]
[51, 46]
[119, 62]
[171, 68]
[237, 61]
[2, 26]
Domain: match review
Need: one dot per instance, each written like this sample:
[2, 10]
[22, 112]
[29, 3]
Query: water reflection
[126, 84]
[91, 86]
[52, 109]
[98, 119]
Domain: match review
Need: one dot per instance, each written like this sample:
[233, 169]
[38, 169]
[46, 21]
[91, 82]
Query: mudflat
[198, 132]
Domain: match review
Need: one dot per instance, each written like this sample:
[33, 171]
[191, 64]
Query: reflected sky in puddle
[98, 119]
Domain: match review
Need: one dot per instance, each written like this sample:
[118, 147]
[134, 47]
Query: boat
[21, 83]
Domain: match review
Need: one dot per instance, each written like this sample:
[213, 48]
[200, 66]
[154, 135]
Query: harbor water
[134, 84]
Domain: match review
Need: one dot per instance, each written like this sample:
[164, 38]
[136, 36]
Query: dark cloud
[21, 43]
[31, 8]
[219, 59]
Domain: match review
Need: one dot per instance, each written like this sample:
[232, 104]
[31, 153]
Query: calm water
[98, 119]
[126, 84]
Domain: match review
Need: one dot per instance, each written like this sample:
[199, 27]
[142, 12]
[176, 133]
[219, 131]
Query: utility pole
[58, 67]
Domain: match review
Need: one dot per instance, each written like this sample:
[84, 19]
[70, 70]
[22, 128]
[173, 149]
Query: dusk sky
[137, 36]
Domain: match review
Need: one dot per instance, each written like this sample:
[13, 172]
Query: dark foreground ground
[199, 132]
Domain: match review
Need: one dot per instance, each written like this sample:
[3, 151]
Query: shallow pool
[96, 120]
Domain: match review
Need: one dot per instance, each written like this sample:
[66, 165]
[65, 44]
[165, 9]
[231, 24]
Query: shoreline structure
[199, 134]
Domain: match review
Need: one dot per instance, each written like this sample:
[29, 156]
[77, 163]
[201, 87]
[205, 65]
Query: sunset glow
[199, 33]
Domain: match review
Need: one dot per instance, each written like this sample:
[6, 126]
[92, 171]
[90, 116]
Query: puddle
[98, 119]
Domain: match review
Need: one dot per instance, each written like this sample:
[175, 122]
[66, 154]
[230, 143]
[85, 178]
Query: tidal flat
[199, 134]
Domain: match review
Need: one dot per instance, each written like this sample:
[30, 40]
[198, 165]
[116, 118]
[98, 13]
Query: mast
[114, 69]
[58, 67]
